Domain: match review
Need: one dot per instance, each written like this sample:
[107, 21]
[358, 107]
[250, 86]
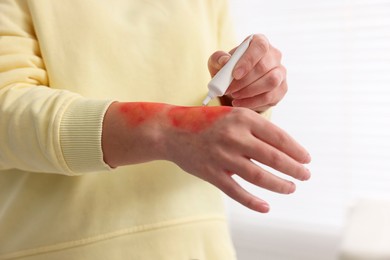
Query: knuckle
[278, 54]
[268, 99]
[241, 115]
[281, 139]
[263, 46]
[276, 160]
[274, 78]
[262, 42]
[257, 177]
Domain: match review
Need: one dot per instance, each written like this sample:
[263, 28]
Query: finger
[271, 60]
[272, 79]
[276, 137]
[231, 188]
[254, 174]
[216, 61]
[263, 101]
[278, 160]
[258, 47]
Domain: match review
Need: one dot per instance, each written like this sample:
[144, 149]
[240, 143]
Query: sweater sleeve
[42, 129]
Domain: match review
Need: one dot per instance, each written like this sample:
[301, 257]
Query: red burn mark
[138, 112]
[196, 119]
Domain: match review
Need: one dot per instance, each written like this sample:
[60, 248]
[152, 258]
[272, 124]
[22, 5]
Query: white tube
[221, 81]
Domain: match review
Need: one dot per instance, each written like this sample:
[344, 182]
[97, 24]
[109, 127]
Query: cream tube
[221, 81]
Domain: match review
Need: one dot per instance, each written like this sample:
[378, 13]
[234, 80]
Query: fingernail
[308, 158]
[292, 188]
[223, 59]
[238, 73]
[235, 103]
[235, 95]
[264, 208]
[307, 175]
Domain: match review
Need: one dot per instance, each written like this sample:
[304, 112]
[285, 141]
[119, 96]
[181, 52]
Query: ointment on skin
[196, 119]
[138, 112]
[192, 119]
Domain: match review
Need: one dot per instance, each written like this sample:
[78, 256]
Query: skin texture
[214, 143]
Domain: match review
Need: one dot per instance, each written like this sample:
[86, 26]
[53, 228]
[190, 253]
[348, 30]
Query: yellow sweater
[61, 65]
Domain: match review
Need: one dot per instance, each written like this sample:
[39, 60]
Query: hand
[225, 146]
[259, 77]
[212, 143]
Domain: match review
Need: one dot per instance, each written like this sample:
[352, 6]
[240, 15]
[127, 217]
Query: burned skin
[192, 119]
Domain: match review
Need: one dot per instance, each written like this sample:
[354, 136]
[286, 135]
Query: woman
[100, 125]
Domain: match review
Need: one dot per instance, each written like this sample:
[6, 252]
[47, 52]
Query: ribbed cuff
[81, 133]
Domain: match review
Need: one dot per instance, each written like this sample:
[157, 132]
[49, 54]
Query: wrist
[133, 133]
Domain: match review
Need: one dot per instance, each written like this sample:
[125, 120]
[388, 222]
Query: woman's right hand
[212, 143]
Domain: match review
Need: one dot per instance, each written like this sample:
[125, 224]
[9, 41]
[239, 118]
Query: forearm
[132, 133]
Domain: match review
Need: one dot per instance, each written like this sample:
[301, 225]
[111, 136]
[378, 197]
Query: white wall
[337, 53]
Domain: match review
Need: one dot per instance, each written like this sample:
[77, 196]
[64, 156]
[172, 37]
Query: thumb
[217, 60]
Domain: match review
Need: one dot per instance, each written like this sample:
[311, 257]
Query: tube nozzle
[206, 100]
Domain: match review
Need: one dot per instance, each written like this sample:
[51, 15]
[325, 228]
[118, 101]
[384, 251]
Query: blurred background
[337, 54]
